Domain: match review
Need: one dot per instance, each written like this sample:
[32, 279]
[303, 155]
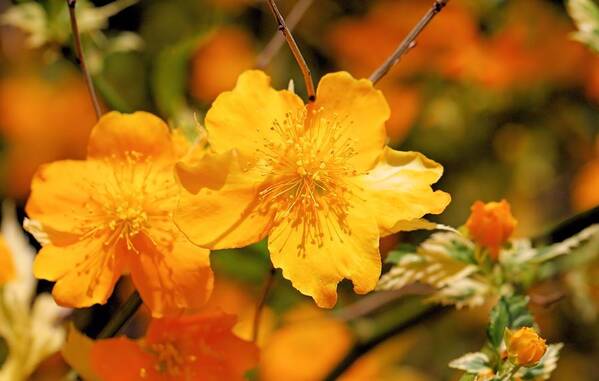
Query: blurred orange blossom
[42, 120]
[317, 179]
[111, 214]
[194, 347]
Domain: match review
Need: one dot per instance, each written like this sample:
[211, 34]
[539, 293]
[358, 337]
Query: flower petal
[62, 194]
[172, 280]
[85, 271]
[122, 359]
[228, 217]
[117, 135]
[242, 118]
[349, 249]
[360, 110]
[399, 191]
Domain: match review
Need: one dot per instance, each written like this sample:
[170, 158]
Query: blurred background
[497, 91]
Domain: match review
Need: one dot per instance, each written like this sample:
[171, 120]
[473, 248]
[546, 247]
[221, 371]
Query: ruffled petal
[172, 280]
[122, 359]
[348, 249]
[359, 110]
[243, 118]
[85, 271]
[228, 217]
[399, 191]
[117, 135]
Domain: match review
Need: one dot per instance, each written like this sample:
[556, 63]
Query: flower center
[309, 164]
[168, 359]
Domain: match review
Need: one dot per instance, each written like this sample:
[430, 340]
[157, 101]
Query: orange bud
[491, 225]
[525, 347]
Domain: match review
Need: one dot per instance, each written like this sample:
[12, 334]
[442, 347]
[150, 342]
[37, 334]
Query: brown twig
[294, 49]
[262, 302]
[409, 41]
[277, 41]
[80, 57]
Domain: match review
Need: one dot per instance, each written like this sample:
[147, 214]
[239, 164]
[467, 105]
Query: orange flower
[197, 347]
[7, 268]
[317, 179]
[111, 214]
[585, 185]
[213, 70]
[491, 225]
[525, 347]
[42, 121]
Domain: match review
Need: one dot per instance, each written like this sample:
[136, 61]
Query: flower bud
[491, 225]
[525, 347]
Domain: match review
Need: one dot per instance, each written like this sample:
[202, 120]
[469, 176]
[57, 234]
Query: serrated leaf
[586, 16]
[401, 250]
[462, 292]
[435, 263]
[543, 370]
[474, 363]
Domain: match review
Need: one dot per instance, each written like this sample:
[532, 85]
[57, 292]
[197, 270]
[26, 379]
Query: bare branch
[80, 57]
[409, 41]
[294, 49]
[277, 41]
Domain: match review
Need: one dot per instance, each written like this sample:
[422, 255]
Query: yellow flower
[525, 347]
[7, 268]
[317, 179]
[112, 214]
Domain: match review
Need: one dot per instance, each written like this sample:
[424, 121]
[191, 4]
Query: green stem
[122, 316]
[417, 313]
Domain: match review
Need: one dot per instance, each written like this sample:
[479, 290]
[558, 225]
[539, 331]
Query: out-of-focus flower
[317, 179]
[218, 61]
[532, 34]
[585, 185]
[30, 325]
[491, 225]
[196, 347]
[297, 351]
[525, 347]
[361, 45]
[232, 5]
[41, 121]
[232, 298]
[111, 214]
[306, 348]
[7, 268]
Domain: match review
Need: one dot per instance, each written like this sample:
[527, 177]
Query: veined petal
[85, 271]
[171, 280]
[348, 249]
[228, 217]
[360, 110]
[122, 359]
[398, 190]
[62, 195]
[243, 118]
[117, 135]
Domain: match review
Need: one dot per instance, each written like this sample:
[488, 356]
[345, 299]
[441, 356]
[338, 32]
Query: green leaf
[474, 363]
[510, 312]
[499, 321]
[396, 254]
